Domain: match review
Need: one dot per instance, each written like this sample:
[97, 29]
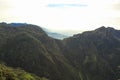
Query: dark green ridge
[92, 55]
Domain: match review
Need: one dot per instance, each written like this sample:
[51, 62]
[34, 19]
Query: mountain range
[91, 55]
[55, 35]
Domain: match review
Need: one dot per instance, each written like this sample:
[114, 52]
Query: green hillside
[92, 55]
[29, 47]
[8, 73]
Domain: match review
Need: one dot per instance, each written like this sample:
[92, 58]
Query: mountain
[92, 55]
[29, 47]
[55, 34]
[95, 53]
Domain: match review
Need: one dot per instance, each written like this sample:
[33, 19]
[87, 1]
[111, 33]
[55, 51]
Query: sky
[65, 16]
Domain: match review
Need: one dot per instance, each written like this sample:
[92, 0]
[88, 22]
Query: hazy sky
[62, 15]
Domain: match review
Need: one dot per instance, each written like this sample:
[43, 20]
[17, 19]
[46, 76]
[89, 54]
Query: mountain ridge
[91, 55]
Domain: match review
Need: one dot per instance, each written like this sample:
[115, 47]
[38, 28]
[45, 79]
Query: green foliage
[8, 73]
[92, 55]
[30, 48]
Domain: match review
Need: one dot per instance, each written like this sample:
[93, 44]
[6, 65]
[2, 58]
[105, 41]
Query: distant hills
[55, 34]
[91, 55]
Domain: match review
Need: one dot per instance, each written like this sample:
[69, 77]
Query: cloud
[62, 14]
[116, 6]
[66, 5]
[4, 5]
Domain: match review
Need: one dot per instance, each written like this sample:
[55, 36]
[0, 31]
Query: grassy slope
[8, 73]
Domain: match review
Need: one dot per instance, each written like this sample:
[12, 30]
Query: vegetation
[8, 73]
[92, 55]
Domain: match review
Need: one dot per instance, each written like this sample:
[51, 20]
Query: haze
[68, 16]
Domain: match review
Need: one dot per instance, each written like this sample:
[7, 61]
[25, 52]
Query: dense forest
[91, 55]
